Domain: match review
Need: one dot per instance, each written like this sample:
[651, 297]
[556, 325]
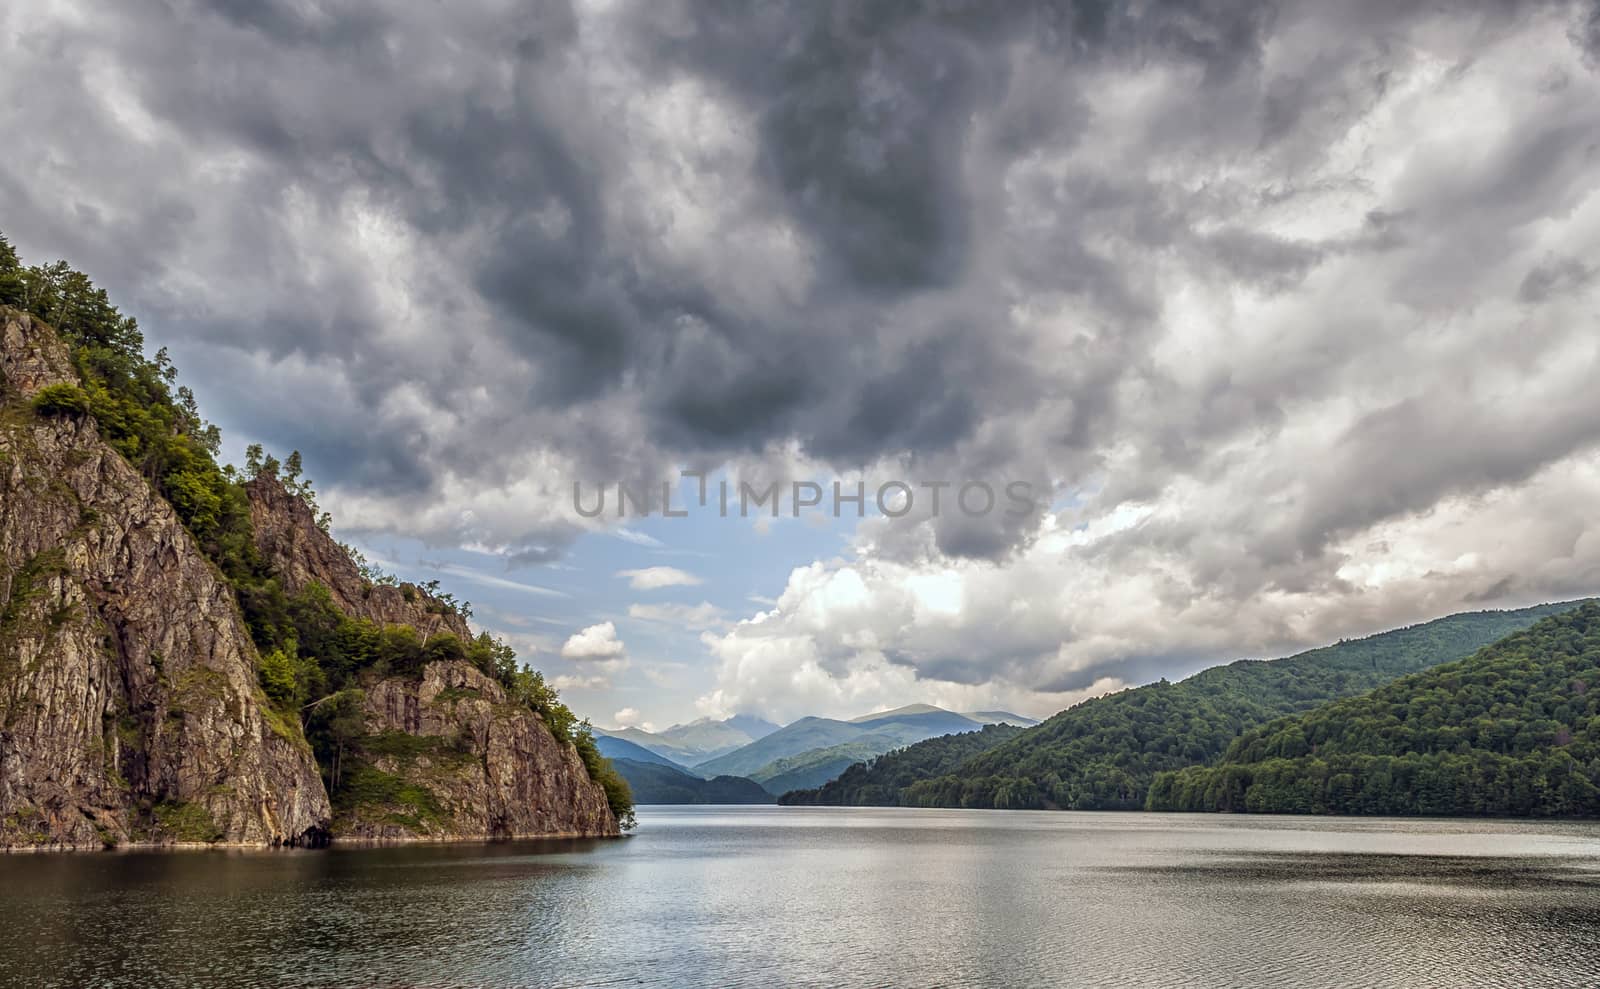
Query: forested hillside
[879, 782]
[1514, 730]
[1104, 753]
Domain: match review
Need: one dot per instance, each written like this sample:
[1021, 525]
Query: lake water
[768, 896]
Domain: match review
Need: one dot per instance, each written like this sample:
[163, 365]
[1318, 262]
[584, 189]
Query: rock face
[129, 706]
[286, 533]
[130, 709]
[451, 757]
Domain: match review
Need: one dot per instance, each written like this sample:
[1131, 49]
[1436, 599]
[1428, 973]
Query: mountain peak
[906, 711]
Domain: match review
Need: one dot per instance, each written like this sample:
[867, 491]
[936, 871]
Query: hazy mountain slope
[697, 741]
[1512, 730]
[706, 739]
[792, 739]
[936, 721]
[815, 767]
[752, 726]
[653, 783]
[614, 748]
[813, 735]
[976, 717]
[878, 782]
[1104, 753]
[809, 752]
[906, 711]
[1000, 718]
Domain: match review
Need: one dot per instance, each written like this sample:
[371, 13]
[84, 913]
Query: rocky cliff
[450, 757]
[445, 756]
[287, 535]
[129, 707]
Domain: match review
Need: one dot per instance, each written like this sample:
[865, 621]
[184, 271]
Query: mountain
[925, 718]
[1000, 718]
[907, 711]
[697, 741]
[815, 767]
[978, 717]
[1514, 730]
[879, 781]
[752, 726]
[1103, 753]
[615, 748]
[187, 656]
[810, 751]
[792, 739]
[654, 783]
[706, 739]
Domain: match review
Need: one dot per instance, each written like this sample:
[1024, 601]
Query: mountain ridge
[1104, 752]
[810, 750]
[1512, 730]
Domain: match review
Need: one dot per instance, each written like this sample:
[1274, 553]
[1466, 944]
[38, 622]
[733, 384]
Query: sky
[1285, 315]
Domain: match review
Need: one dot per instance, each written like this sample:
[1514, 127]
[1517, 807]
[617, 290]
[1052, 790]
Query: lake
[760, 896]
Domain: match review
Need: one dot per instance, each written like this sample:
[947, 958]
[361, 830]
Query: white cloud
[654, 578]
[690, 616]
[490, 580]
[629, 717]
[636, 537]
[597, 642]
[1099, 602]
[572, 682]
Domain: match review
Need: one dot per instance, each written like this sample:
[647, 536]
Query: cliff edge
[446, 753]
[129, 705]
[185, 658]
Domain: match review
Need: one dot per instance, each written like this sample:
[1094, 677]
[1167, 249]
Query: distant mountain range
[617, 749]
[879, 781]
[803, 754]
[697, 741]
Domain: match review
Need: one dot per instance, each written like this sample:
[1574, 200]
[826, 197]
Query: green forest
[313, 658]
[1103, 754]
[880, 782]
[1514, 730]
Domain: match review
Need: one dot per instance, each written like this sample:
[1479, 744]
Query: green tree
[277, 675]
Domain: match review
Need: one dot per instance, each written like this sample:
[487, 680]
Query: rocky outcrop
[130, 709]
[287, 535]
[451, 757]
[446, 757]
[129, 706]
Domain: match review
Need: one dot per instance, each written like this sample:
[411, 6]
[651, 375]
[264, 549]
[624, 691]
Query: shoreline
[331, 845]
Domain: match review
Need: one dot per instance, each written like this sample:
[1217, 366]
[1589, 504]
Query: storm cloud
[1273, 303]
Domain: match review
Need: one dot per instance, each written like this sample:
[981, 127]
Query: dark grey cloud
[1277, 276]
[473, 129]
[1554, 276]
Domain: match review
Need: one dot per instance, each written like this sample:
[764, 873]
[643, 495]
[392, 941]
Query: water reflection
[763, 896]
